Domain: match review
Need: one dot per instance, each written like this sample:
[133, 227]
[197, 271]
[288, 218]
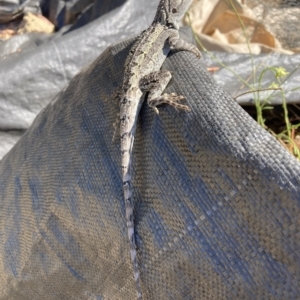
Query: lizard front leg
[155, 83]
[179, 44]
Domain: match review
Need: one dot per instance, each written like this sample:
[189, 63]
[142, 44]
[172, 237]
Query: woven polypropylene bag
[216, 197]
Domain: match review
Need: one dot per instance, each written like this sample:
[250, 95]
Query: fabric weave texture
[216, 197]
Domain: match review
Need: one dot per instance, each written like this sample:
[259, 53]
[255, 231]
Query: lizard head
[171, 12]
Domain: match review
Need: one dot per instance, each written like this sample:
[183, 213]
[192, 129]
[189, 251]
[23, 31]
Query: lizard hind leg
[155, 83]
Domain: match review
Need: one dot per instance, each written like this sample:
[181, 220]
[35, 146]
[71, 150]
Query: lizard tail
[130, 229]
[127, 130]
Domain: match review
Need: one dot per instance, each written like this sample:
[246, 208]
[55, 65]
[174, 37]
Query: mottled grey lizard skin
[216, 198]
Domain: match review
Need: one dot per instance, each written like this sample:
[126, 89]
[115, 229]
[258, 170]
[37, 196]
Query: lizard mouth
[172, 26]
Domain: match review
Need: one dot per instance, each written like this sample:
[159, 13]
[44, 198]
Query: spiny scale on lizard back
[137, 53]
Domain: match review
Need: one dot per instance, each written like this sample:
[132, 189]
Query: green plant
[287, 136]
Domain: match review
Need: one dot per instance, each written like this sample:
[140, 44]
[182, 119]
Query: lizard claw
[170, 99]
[197, 52]
[155, 110]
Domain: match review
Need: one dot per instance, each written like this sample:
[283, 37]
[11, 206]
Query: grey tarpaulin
[34, 68]
[8, 139]
[216, 197]
[241, 65]
[13, 9]
[30, 79]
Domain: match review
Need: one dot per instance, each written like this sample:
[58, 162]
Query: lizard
[143, 77]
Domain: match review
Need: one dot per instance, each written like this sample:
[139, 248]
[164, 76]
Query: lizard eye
[174, 10]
